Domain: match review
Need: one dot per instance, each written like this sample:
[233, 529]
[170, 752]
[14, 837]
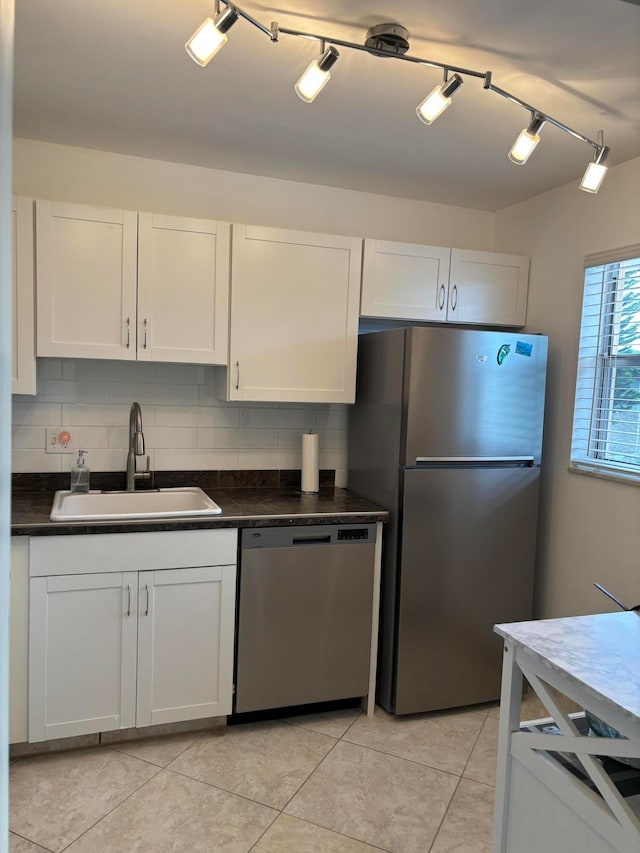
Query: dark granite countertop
[242, 506]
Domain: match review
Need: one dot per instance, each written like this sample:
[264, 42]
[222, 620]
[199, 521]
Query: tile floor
[328, 783]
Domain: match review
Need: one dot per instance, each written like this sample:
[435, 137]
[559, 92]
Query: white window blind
[606, 421]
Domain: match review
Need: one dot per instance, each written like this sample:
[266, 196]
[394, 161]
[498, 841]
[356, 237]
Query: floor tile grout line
[336, 832]
[410, 760]
[115, 746]
[128, 797]
[444, 816]
[263, 833]
[169, 769]
[24, 838]
[353, 722]
[311, 774]
[317, 731]
[475, 743]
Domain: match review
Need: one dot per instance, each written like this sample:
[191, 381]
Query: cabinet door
[183, 289]
[406, 281]
[82, 654]
[488, 288]
[294, 316]
[86, 273]
[185, 639]
[23, 361]
[19, 639]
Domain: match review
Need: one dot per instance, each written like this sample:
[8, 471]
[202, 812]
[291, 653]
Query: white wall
[185, 426]
[590, 528]
[64, 173]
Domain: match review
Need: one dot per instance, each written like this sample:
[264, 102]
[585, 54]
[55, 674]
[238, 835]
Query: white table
[540, 806]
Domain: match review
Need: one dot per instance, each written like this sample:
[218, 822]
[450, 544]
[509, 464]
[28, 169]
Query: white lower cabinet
[18, 639]
[82, 662]
[115, 649]
[185, 644]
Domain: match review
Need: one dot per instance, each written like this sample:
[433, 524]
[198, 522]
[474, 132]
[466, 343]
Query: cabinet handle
[146, 589]
[454, 297]
[237, 375]
[442, 296]
[144, 345]
[128, 599]
[128, 331]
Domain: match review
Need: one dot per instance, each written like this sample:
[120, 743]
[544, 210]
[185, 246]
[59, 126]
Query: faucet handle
[147, 474]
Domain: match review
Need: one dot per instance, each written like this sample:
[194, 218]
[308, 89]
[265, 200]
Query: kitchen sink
[156, 503]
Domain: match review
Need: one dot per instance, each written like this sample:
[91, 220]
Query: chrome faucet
[136, 448]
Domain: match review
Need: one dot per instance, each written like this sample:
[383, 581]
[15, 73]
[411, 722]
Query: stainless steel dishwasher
[304, 615]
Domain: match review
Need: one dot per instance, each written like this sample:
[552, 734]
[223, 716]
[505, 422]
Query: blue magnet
[523, 348]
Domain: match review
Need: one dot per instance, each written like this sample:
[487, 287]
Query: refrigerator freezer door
[473, 393]
[467, 546]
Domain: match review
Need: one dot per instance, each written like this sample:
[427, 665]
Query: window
[606, 420]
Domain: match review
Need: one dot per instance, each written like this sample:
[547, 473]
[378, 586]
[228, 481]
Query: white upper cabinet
[86, 274]
[183, 289]
[23, 360]
[488, 288]
[409, 281]
[294, 316]
[109, 287]
[405, 281]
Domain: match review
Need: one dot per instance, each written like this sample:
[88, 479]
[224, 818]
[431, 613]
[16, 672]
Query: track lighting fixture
[317, 75]
[595, 172]
[529, 137]
[392, 40]
[438, 100]
[211, 36]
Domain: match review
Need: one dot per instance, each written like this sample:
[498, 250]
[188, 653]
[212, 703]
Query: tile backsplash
[185, 426]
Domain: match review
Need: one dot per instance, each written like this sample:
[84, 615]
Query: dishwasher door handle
[311, 540]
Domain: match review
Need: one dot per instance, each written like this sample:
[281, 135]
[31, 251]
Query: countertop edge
[609, 687]
[289, 508]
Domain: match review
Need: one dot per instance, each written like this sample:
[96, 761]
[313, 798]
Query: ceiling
[114, 75]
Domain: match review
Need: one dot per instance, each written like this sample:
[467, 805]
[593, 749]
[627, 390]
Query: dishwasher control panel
[305, 535]
[349, 534]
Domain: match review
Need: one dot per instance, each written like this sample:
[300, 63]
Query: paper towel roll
[310, 447]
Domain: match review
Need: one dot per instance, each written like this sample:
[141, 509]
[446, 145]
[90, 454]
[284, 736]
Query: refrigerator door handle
[526, 461]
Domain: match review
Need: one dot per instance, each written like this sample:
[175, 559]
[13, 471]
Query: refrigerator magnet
[503, 352]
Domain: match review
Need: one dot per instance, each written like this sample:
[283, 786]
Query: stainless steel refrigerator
[446, 433]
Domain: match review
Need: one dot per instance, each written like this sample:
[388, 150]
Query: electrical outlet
[58, 440]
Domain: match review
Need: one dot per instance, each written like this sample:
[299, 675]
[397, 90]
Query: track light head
[525, 144]
[438, 100]
[317, 75]
[210, 36]
[595, 172]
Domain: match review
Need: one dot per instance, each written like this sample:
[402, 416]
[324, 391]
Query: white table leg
[510, 702]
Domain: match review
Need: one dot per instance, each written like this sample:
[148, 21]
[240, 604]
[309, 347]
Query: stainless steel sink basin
[160, 503]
